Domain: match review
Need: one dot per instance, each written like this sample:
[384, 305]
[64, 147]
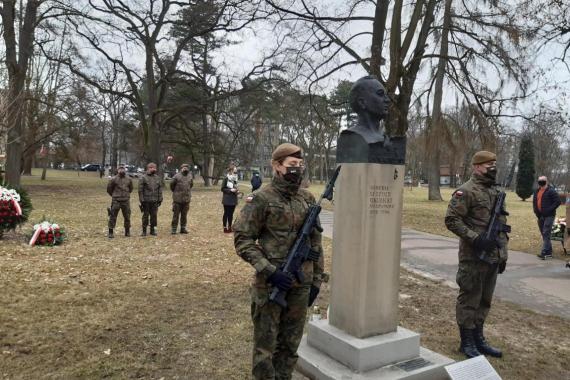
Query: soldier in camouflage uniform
[468, 215]
[266, 228]
[150, 197]
[181, 186]
[120, 188]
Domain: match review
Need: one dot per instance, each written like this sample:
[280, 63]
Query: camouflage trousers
[277, 333]
[116, 206]
[476, 280]
[150, 209]
[179, 210]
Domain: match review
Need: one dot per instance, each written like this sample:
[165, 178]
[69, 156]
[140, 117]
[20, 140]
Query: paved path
[543, 286]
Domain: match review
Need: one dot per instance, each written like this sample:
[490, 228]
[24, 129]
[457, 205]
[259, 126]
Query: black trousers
[228, 217]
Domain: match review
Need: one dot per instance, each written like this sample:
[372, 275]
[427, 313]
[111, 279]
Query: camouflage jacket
[267, 227]
[120, 188]
[150, 188]
[181, 186]
[469, 213]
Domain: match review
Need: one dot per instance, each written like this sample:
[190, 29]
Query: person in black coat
[229, 198]
[545, 201]
[255, 181]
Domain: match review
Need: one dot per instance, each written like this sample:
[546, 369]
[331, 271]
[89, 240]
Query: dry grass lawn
[177, 307]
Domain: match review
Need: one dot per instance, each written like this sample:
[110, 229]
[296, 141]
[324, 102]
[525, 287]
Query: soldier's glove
[484, 244]
[281, 280]
[313, 255]
[313, 293]
[159, 203]
[502, 266]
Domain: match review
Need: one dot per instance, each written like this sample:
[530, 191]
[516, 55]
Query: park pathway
[542, 286]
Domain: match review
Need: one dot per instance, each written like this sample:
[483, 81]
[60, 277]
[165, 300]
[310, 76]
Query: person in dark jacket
[230, 198]
[255, 181]
[545, 201]
[120, 188]
[181, 186]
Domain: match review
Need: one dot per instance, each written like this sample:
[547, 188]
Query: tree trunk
[17, 60]
[28, 163]
[434, 193]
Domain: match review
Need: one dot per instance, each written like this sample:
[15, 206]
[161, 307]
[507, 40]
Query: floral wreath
[15, 207]
[558, 228]
[47, 233]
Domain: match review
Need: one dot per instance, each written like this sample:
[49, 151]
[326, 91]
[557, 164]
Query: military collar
[282, 186]
[480, 179]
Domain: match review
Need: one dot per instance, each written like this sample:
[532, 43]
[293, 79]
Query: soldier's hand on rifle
[502, 266]
[484, 244]
[313, 293]
[281, 280]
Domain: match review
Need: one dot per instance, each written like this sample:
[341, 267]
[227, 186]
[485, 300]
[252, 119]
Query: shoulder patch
[458, 193]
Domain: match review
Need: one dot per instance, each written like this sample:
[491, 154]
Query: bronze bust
[366, 141]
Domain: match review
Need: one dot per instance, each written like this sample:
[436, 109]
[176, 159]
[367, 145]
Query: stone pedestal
[317, 364]
[366, 248]
[361, 339]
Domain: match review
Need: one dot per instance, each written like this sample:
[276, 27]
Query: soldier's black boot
[183, 230]
[173, 232]
[127, 232]
[152, 231]
[110, 236]
[143, 231]
[482, 345]
[468, 346]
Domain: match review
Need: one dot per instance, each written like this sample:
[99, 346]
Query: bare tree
[19, 41]
[117, 30]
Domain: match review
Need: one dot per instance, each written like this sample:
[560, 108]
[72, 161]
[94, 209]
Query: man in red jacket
[545, 201]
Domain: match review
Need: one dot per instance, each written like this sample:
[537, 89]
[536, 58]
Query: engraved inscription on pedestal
[380, 200]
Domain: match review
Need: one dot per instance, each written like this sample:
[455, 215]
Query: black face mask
[541, 183]
[184, 172]
[121, 174]
[491, 173]
[294, 175]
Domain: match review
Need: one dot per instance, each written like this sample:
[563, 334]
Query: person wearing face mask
[545, 201]
[150, 198]
[181, 186]
[229, 198]
[265, 230]
[120, 188]
[468, 216]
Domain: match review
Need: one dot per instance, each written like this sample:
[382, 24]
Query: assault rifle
[301, 248]
[495, 226]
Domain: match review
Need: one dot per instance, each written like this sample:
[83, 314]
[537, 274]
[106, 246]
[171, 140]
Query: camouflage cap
[483, 156]
[285, 150]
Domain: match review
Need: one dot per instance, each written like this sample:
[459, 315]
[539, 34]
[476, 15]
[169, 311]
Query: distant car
[91, 168]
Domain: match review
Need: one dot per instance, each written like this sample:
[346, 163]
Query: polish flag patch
[459, 193]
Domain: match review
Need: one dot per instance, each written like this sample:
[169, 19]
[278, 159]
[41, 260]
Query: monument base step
[316, 365]
[365, 354]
